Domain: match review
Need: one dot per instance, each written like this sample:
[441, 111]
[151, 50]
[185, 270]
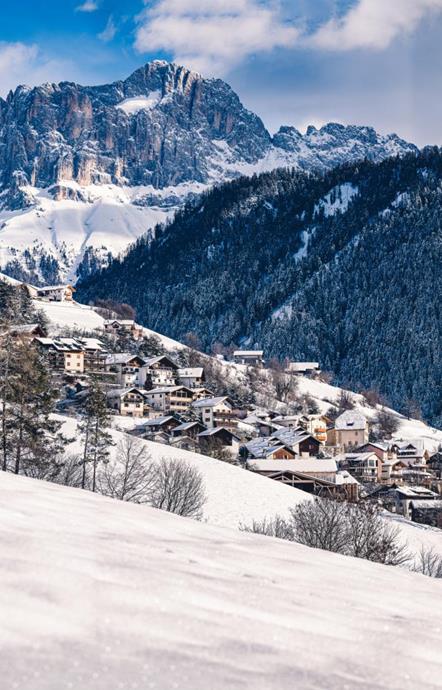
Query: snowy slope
[234, 496]
[102, 595]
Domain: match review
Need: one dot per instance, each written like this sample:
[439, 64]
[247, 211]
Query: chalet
[160, 371]
[252, 358]
[215, 412]
[26, 331]
[95, 354]
[255, 425]
[170, 398]
[316, 425]
[201, 393]
[303, 368]
[63, 354]
[183, 442]
[264, 449]
[190, 429]
[392, 470]
[380, 449]
[164, 424]
[351, 429]
[126, 367]
[427, 512]
[192, 377]
[128, 402]
[302, 443]
[365, 467]
[219, 436]
[405, 495]
[412, 452]
[288, 421]
[56, 293]
[435, 463]
[123, 327]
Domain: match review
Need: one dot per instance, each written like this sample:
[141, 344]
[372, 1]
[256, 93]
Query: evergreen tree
[94, 430]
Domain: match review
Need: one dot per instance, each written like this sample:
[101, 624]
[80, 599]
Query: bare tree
[387, 423]
[353, 530]
[371, 536]
[272, 527]
[373, 397]
[70, 470]
[345, 401]
[178, 488]
[429, 563]
[132, 475]
[320, 524]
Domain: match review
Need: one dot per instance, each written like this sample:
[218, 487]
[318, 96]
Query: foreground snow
[100, 595]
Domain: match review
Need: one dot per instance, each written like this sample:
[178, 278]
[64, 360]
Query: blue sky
[375, 62]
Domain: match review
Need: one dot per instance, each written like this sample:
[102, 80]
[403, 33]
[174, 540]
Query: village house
[427, 512]
[302, 443]
[192, 377]
[55, 293]
[215, 412]
[63, 354]
[412, 452]
[254, 358]
[201, 393]
[264, 449]
[123, 327]
[254, 425]
[405, 495]
[170, 398]
[351, 429]
[95, 354]
[380, 449]
[159, 371]
[303, 368]
[24, 332]
[155, 425]
[128, 402]
[190, 429]
[365, 467]
[127, 369]
[210, 439]
[316, 424]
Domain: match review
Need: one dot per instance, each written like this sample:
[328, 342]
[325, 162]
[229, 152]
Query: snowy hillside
[234, 495]
[99, 595]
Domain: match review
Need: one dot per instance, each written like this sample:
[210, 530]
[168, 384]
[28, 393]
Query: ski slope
[103, 595]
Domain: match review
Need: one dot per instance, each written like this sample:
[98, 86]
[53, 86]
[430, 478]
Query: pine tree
[94, 429]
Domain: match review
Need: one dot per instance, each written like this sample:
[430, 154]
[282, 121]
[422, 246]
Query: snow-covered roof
[50, 288]
[302, 366]
[211, 402]
[263, 447]
[187, 425]
[155, 421]
[154, 360]
[291, 437]
[169, 389]
[121, 358]
[191, 372]
[121, 392]
[248, 353]
[351, 419]
[303, 465]
[215, 432]
[428, 505]
[344, 477]
[416, 491]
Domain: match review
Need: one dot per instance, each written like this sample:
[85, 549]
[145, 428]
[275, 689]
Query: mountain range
[85, 171]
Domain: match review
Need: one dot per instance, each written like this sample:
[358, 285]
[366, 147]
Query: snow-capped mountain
[86, 170]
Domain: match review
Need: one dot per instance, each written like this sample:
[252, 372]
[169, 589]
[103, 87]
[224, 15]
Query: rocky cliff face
[96, 166]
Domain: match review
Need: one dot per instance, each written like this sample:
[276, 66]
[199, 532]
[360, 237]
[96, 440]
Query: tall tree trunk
[86, 447]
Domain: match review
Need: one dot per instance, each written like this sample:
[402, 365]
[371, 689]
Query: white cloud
[109, 31]
[373, 24]
[22, 63]
[212, 36]
[88, 6]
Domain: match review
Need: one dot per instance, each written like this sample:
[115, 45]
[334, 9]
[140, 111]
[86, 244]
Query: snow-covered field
[104, 595]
